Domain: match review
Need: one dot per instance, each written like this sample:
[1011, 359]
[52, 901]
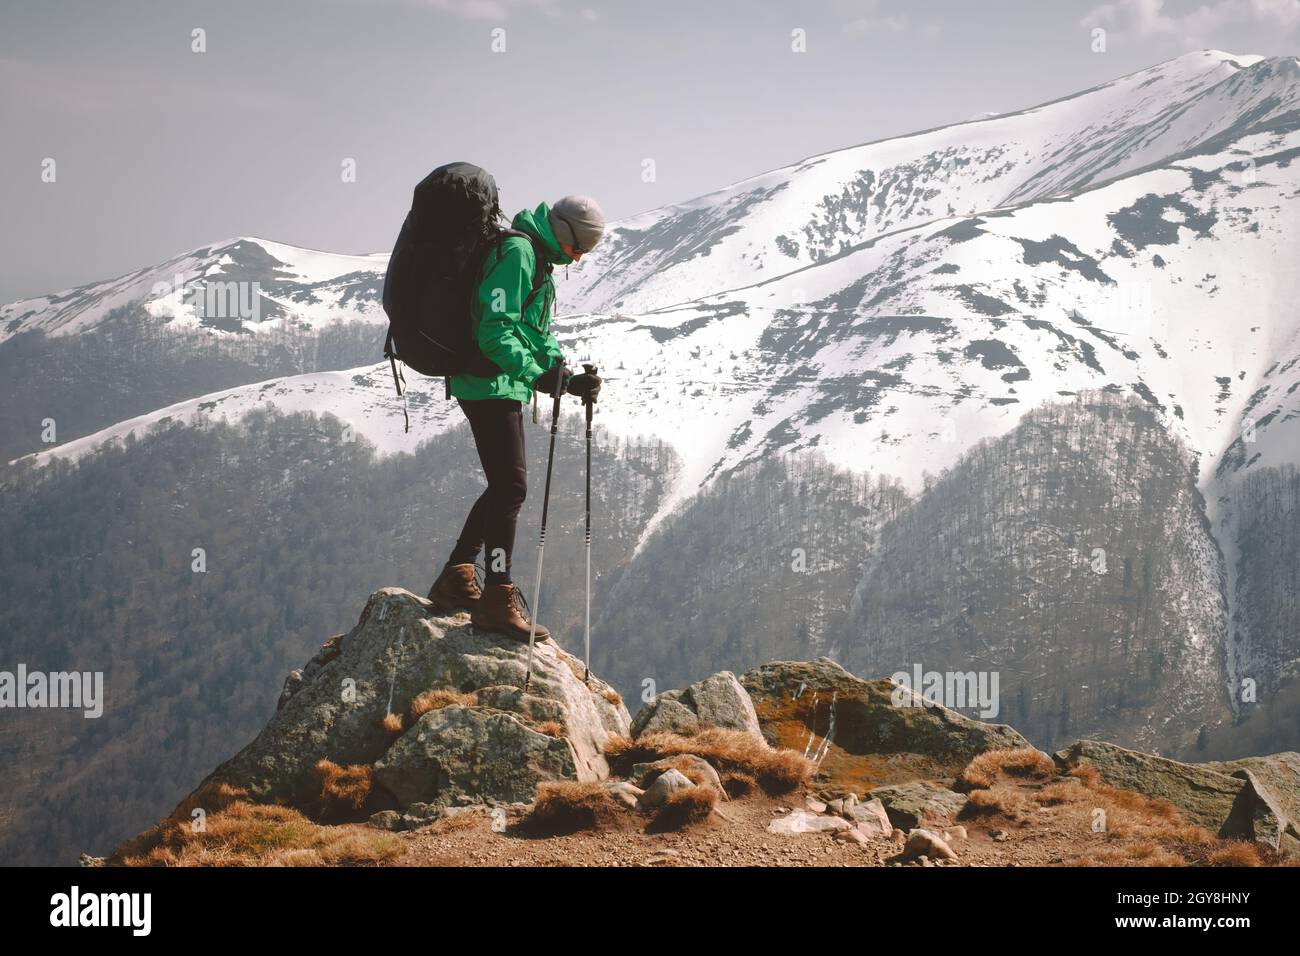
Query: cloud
[1285, 13]
[501, 9]
[874, 21]
[1196, 27]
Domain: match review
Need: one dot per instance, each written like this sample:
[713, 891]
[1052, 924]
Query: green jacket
[522, 346]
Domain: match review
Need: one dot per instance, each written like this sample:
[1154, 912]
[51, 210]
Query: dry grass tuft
[611, 695]
[731, 752]
[551, 728]
[738, 785]
[1086, 774]
[1236, 853]
[457, 821]
[239, 833]
[999, 799]
[1135, 853]
[1066, 791]
[436, 700]
[567, 806]
[343, 790]
[1024, 763]
[683, 808]
[393, 723]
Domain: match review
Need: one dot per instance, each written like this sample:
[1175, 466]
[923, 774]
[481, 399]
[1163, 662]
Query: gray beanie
[578, 222]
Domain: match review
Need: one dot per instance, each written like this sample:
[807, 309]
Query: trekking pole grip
[587, 399]
[559, 380]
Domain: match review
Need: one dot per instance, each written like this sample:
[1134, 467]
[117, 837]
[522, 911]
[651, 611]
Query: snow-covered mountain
[1083, 315]
[1174, 281]
[772, 224]
[293, 285]
[890, 305]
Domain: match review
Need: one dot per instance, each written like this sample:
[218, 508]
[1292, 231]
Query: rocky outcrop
[1206, 797]
[489, 742]
[865, 733]
[1274, 785]
[427, 718]
[716, 701]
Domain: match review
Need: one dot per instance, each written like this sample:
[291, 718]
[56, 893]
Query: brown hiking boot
[456, 589]
[501, 609]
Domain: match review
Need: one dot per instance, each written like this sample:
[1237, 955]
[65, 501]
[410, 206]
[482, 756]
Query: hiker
[512, 329]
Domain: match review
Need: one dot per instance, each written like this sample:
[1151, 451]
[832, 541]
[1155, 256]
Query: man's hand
[546, 382]
[586, 385]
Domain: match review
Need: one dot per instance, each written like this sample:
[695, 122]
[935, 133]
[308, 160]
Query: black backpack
[434, 272]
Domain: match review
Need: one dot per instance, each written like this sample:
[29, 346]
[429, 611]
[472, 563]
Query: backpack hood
[536, 222]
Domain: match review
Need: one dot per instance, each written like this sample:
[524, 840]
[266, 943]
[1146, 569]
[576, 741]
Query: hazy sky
[159, 149]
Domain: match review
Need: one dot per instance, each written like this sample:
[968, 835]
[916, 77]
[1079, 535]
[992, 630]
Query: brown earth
[1056, 834]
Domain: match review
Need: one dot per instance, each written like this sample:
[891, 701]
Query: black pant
[498, 427]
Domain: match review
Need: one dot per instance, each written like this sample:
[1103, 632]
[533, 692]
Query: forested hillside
[133, 362]
[759, 566]
[296, 525]
[1072, 556]
[1266, 607]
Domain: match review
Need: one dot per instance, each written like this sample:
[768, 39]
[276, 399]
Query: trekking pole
[541, 541]
[590, 404]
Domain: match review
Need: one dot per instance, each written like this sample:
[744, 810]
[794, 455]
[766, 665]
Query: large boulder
[909, 805]
[1275, 785]
[472, 754]
[874, 740]
[492, 743]
[1207, 797]
[716, 701]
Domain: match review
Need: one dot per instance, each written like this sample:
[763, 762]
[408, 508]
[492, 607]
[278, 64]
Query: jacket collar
[537, 223]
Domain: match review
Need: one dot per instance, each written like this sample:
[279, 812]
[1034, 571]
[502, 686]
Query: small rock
[666, 783]
[852, 835]
[954, 833]
[386, 820]
[921, 842]
[801, 821]
[1000, 836]
[644, 774]
[814, 806]
[624, 792]
[872, 819]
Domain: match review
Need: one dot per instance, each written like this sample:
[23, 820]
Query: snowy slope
[1176, 283]
[761, 227]
[294, 285]
[770, 224]
[362, 397]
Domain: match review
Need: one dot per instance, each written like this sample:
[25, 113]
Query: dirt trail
[736, 835]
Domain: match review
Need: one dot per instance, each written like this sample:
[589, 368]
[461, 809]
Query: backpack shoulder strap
[542, 264]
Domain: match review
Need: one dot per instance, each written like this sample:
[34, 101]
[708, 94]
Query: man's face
[569, 251]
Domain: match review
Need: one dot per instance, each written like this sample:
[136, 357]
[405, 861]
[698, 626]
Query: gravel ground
[735, 835]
